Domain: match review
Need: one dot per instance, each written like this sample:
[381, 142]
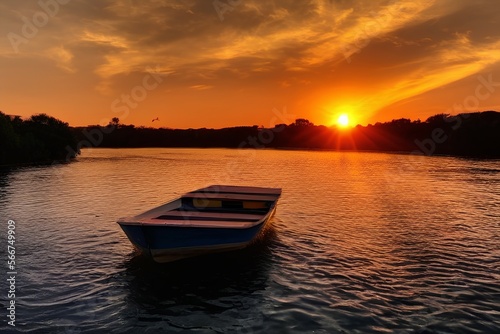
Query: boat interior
[224, 204]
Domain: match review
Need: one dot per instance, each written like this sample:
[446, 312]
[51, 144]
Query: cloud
[377, 52]
[201, 87]
[62, 57]
[439, 63]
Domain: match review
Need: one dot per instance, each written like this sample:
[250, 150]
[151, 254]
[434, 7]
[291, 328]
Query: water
[361, 243]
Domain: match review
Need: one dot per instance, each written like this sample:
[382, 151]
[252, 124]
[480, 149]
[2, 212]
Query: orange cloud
[311, 56]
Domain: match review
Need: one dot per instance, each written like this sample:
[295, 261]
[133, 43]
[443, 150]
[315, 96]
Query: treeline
[39, 139]
[468, 134]
[44, 139]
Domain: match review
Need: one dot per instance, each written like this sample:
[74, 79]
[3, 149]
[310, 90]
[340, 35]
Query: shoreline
[46, 163]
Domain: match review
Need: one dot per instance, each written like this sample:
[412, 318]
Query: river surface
[361, 243]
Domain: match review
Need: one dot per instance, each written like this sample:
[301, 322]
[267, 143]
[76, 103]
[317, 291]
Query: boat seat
[223, 210]
[209, 214]
[174, 218]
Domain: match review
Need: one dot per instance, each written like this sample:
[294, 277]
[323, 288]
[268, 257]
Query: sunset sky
[205, 63]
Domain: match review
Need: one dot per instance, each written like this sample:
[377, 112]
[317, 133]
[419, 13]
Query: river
[361, 243]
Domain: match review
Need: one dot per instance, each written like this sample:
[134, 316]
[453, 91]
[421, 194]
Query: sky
[222, 63]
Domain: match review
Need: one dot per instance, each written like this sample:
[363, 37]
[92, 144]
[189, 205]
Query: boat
[216, 218]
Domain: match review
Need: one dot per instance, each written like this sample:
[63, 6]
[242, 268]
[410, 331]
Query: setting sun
[343, 121]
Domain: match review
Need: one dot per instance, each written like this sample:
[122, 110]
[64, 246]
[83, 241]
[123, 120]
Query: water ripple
[361, 243]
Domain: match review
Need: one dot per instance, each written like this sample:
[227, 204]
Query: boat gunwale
[231, 196]
[152, 216]
[221, 189]
[146, 222]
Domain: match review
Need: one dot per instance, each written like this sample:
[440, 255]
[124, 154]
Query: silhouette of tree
[302, 122]
[44, 138]
[437, 119]
[475, 134]
[115, 121]
[41, 138]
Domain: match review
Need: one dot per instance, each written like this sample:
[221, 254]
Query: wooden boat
[213, 219]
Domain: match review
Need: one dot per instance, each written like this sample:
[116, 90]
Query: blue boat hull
[167, 243]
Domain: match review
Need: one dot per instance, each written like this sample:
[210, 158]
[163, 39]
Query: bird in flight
[155, 119]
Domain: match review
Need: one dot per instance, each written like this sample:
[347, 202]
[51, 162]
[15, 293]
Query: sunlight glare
[343, 120]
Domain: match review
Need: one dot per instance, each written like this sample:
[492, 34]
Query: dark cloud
[316, 53]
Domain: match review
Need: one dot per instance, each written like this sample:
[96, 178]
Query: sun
[343, 116]
[343, 120]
